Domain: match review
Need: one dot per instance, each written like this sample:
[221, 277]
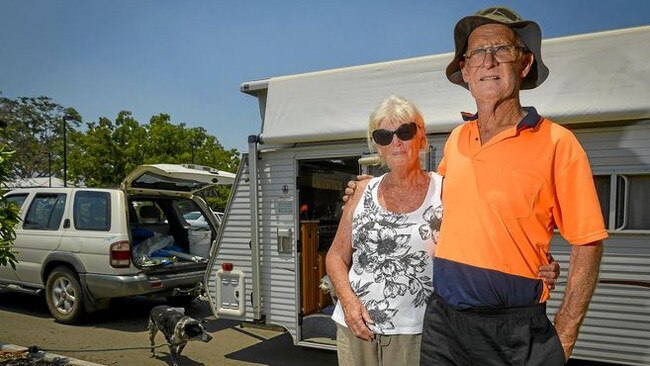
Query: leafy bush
[8, 216]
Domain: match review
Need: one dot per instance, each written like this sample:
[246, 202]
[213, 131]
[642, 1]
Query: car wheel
[64, 296]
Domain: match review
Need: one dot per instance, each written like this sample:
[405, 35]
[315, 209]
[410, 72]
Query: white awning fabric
[601, 76]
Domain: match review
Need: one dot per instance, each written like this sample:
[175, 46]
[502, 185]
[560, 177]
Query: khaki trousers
[383, 350]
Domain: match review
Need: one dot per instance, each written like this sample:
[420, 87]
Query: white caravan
[285, 204]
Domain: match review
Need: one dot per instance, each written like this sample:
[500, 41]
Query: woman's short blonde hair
[395, 110]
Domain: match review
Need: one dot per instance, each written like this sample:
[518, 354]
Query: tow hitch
[195, 291]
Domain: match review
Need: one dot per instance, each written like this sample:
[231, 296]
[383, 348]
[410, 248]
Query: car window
[150, 213]
[18, 199]
[45, 211]
[92, 211]
[194, 215]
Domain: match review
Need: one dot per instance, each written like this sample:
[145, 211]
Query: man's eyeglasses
[502, 53]
[404, 132]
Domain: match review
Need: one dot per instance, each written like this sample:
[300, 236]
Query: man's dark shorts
[512, 336]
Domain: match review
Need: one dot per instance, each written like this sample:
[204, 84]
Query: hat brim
[528, 31]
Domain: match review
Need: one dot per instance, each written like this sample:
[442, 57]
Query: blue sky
[187, 58]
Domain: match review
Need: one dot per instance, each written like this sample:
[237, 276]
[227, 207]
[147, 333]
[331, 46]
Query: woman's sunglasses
[404, 132]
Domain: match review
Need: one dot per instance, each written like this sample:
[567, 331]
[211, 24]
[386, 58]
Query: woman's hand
[550, 272]
[357, 318]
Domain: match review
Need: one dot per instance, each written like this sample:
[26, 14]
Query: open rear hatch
[159, 196]
[172, 179]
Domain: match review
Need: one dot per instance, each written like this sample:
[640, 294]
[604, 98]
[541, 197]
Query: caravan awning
[601, 76]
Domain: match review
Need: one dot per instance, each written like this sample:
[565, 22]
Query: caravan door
[321, 184]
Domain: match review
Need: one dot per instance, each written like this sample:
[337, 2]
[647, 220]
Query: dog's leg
[180, 348]
[153, 330]
[173, 354]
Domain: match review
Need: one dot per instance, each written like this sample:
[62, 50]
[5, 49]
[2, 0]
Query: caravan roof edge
[254, 87]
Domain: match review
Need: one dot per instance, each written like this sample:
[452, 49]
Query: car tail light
[121, 254]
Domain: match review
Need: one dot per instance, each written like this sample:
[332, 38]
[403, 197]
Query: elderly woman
[379, 262]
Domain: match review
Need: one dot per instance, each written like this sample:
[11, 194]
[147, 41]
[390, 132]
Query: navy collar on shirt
[530, 120]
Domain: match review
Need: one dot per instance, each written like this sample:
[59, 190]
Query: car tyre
[64, 296]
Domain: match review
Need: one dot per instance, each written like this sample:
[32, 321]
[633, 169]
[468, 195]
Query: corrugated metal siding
[617, 326]
[234, 238]
[617, 148]
[278, 273]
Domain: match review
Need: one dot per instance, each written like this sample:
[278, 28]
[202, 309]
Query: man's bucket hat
[528, 31]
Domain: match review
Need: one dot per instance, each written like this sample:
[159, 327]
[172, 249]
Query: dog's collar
[179, 329]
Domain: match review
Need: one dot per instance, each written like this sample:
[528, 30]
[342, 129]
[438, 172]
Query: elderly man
[510, 178]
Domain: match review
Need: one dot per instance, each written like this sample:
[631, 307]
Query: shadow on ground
[127, 315]
[266, 353]
[25, 304]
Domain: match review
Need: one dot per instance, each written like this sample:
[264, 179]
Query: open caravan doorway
[321, 184]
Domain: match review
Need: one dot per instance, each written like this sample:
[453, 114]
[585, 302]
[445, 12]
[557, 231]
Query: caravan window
[631, 192]
[634, 192]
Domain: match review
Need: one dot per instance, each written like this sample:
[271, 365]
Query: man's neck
[497, 117]
[504, 113]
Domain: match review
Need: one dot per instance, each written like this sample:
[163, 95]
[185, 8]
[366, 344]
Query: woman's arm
[338, 261]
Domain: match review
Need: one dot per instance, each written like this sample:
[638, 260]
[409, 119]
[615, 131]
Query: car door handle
[66, 223]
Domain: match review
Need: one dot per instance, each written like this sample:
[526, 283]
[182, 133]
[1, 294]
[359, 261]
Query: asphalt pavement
[119, 336]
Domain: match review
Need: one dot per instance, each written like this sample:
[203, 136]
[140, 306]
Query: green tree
[108, 150]
[8, 216]
[34, 132]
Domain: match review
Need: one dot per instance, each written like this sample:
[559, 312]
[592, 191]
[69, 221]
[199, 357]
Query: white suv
[84, 246]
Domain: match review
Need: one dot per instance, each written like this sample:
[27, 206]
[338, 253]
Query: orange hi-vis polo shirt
[502, 201]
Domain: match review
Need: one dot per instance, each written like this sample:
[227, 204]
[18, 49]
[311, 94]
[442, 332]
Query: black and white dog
[177, 328]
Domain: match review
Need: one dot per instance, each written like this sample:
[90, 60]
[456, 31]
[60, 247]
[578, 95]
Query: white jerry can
[230, 291]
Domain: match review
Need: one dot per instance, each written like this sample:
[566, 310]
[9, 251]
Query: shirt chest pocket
[514, 194]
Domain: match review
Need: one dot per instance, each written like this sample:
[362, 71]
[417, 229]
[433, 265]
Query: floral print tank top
[391, 263]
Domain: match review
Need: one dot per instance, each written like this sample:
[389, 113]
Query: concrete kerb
[51, 357]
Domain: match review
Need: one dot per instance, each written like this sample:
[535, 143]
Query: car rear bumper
[109, 286]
